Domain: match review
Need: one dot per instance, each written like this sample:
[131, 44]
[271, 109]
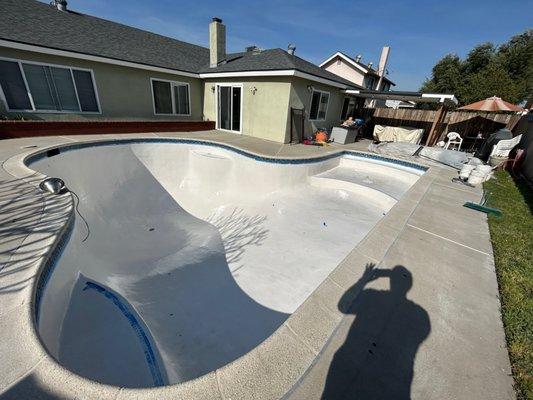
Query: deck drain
[30, 146]
[151, 229]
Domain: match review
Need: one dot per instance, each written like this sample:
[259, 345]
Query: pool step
[376, 197]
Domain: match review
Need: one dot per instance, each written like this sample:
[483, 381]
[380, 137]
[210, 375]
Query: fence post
[439, 117]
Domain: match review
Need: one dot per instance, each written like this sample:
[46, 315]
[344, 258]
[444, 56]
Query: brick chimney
[217, 42]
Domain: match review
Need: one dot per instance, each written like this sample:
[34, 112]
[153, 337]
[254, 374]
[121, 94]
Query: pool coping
[276, 366]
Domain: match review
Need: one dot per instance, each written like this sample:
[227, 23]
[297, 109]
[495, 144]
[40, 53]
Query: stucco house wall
[341, 68]
[123, 92]
[300, 97]
[126, 93]
[265, 110]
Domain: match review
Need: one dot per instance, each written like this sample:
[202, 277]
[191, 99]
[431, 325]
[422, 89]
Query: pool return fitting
[57, 186]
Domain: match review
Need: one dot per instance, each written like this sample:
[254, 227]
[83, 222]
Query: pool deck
[357, 336]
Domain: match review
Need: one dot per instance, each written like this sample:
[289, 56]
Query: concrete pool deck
[363, 334]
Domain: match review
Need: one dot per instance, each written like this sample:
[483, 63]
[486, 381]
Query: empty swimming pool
[196, 252]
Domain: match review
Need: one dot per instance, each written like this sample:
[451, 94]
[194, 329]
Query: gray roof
[272, 60]
[33, 22]
[36, 23]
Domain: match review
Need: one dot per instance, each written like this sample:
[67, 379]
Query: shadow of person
[376, 359]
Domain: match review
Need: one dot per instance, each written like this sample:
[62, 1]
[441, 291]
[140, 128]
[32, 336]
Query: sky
[418, 32]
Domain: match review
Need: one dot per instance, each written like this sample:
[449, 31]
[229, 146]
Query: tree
[478, 58]
[505, 71]
[446, 75]
[516, 57]
[492, 80]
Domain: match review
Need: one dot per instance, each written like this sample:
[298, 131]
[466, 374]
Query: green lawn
[512, 241]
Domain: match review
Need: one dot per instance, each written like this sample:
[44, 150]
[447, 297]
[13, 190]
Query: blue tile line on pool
[50, 266]
[134, 323]
[76, 146]
[58, 250]
[45, 276]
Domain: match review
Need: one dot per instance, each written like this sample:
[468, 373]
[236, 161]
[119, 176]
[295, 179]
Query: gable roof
[362, 67]
[31, 22]
[272, 60]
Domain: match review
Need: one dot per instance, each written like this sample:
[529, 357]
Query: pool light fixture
[52, 185]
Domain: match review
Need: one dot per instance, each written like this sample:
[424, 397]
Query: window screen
[51, 88]
[181, 96]
[315, 102]
[319, 106]
[40, 85]
[162, 97]
[324, 99]
[13, 86]
[85, 88]
[64, 87]
[171, 97]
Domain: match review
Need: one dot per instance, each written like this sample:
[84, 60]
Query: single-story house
[60, 64]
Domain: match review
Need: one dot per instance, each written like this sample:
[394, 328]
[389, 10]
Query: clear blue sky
[419, 32]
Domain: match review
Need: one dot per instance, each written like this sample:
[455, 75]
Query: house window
[386, 87]
[171, 98]
[370, 81]
[348, 108]
[319, 105]
[40, 87]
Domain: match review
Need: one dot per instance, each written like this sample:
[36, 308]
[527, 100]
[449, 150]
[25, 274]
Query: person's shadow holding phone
[376, 360]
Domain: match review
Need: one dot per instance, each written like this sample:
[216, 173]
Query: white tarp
[385, 133]
[453, 158]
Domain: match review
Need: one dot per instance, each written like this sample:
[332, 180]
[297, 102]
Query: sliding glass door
[229, 107]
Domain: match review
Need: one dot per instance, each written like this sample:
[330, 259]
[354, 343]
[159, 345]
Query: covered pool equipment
[197, 252]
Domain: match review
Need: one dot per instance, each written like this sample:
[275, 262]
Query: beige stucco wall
[301, 98]
[343, 69]
[265, 113]
[124, 93]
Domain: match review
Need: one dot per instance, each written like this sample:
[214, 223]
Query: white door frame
[217, 110]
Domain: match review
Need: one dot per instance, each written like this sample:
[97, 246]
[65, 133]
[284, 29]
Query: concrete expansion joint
[454, 187]
[25, 374]
[301, 340]
[335, 283]
[402, 229]
[219, 385]
[450, 240]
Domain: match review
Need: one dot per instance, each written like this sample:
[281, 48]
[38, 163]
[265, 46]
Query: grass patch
[512, 241]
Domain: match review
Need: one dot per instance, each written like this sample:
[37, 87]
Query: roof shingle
[39, 24]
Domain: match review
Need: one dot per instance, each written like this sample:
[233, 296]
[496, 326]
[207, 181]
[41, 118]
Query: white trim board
[351, 62]
[284, 72]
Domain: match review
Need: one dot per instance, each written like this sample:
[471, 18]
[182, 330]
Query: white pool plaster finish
[464, 356]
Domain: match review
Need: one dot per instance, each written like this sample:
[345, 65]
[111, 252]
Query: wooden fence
[466, 123]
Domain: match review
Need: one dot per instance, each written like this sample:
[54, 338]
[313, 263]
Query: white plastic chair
[504, 147]
[454, 139]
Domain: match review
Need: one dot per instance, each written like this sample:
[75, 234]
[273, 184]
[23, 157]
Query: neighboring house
[353, 70]
[59, 64]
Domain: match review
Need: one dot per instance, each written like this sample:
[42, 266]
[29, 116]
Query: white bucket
[476, 178]
[484, 169]
[465, 171]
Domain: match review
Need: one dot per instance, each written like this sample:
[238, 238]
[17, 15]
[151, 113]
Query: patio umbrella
[493, 104]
